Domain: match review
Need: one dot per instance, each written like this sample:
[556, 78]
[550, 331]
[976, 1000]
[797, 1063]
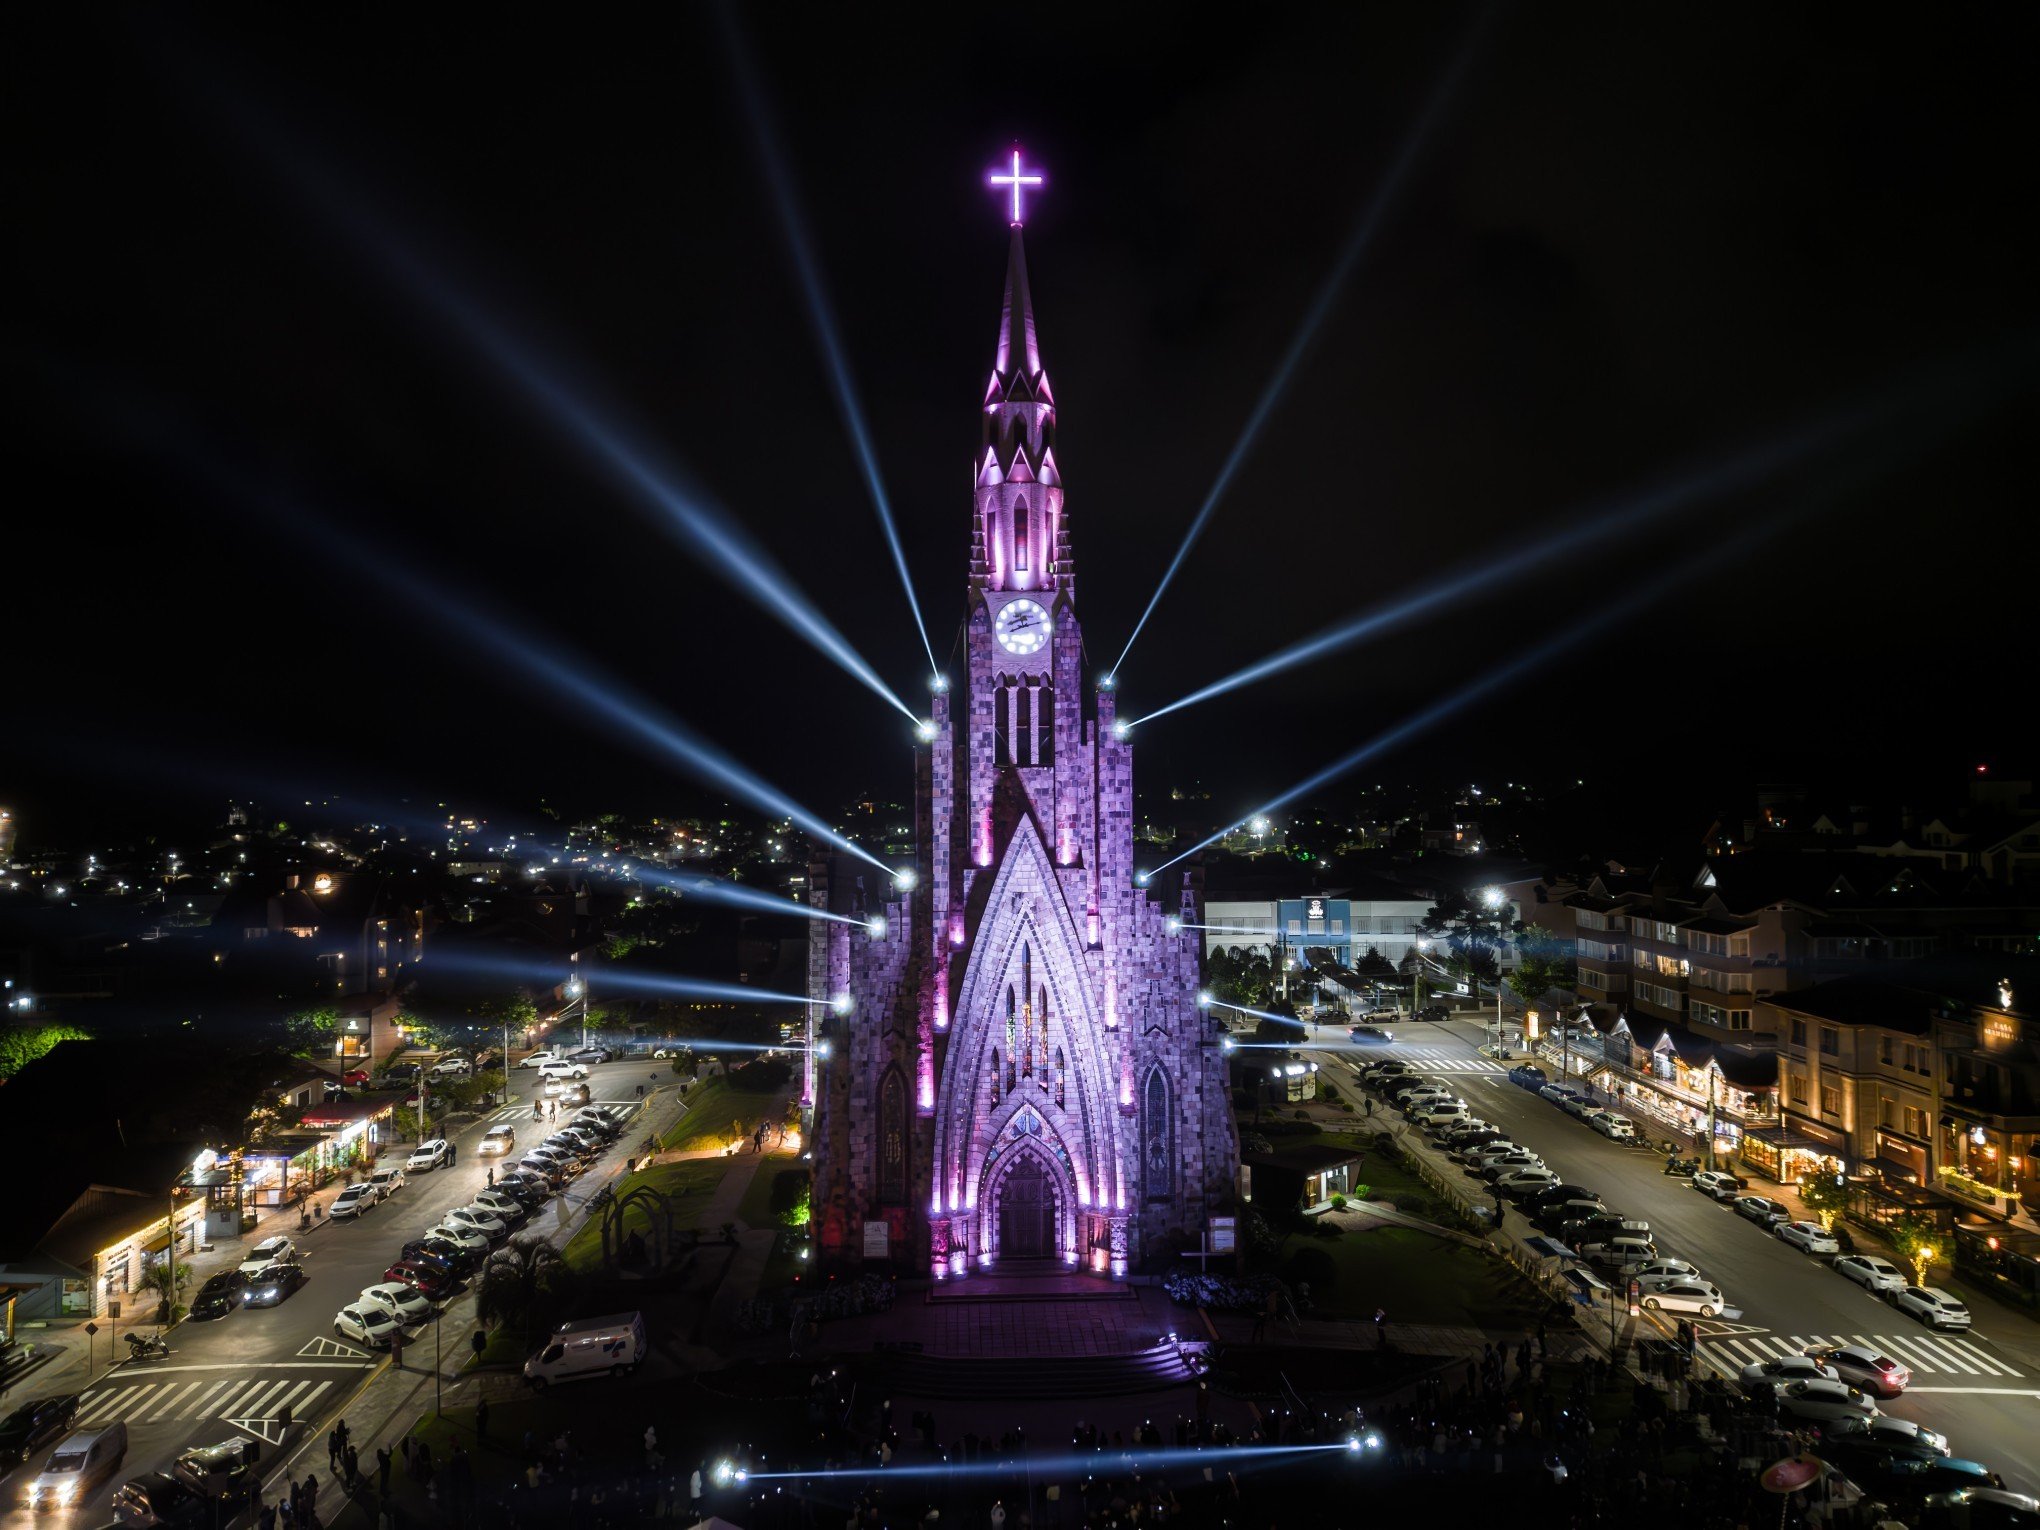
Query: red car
[355, 1078]
[434, 1285]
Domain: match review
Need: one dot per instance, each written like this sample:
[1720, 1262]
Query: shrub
[1338, 1202]
[1414, 1205]
[789, 1203]
[1313, 1265]
[1221, 1293]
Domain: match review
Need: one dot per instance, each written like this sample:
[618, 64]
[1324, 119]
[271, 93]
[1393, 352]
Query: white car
[1871, 1273]
[1493, 1152]
[407, 1304]
[276, 1250]
[499, 1203]
[563, 1069]
[539, 1059]
[1762, 1209]
[428, 1156]
[452, 1067]
[365, 1324]
[485, 1222]
[1809, 1237]
[1666, 1272]
[1615, 1128]
[1825, 1400]
[1439, 1113]
[1931, 1305]
[1783, 1372]
[1528, 1182]
[1692, 1296]
[1898, 1433]
[1716, 1185]
[1870, 1369]
[389, 1181]
[353, 1201]
[463, 1238]
[1495, 1170]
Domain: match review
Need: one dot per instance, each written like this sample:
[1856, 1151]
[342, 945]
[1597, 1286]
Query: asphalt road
[1982, 1389]
[231, 1378]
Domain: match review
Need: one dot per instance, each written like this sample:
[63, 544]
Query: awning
[156, 1245]
[1587, 1285]
[1896, 1167]
[1549, 1248]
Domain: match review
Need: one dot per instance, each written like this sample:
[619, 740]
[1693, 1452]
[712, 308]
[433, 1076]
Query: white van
[80, 1463]
[603, 1346]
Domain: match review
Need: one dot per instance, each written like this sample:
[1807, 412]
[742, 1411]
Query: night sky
[1637, 241]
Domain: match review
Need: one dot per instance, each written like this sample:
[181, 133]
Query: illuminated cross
[1016, 180]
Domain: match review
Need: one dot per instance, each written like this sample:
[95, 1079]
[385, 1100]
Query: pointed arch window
[1158, 1159]
[1060, 1073]
[1020, 536]
[892, 1139]
[995, 1076]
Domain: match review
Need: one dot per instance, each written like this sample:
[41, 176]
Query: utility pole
[1713, 1097]
[170, 1313]
[424, 1101]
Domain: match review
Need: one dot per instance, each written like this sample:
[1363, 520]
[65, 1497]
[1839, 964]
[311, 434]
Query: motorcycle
[1683, 1168]
[140, 1348]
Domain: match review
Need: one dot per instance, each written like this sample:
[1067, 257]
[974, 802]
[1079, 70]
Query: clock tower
[1020, 1072]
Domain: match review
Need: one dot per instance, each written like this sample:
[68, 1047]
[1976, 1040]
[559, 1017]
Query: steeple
[1018, 349]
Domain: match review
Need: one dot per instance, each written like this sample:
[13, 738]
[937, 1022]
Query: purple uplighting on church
[1024, 1074]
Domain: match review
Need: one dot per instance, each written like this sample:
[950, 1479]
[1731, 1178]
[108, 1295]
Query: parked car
[1931, 1305]
[538, 1059]
[1555, 1194]
[353, 1201]
[1495, 1170]
[275, 1285]
[1784, 1371]
[1370, 1036]
[428, 1156]
[1891, 1474]
[366, 1325]
[1891, 1434]
[1667, 1269]
[564, 1068]
[528, 1190]
[1552, 1216]
[355, 1078]
[389, 1180]
[1463, 1147]
[157, 1498]
[1871, 1273]
[1986, 1506]
[601, 1346]
[1578, 1106]
[400, 1299]
[452, 1067]
[1615, 1128]
[1823, 1401]
[221, 1473]
[269, 1251]
[33, 1425]
[1528, 1076]
[591, 1055]
[1718, 1186]
[1694, 1296]
[487, 1223]
[441, 1253]
[1808, 1237]
[1440, 1113]
[1526, 1183]
[466, 1239]
[219, 1295]
[1605, 1224]
[501, 1203]
[436, 1282]
[598, 1121]
[1762, 1210]
[1433, 1013]
[1870, 1369]
[1618, 1253]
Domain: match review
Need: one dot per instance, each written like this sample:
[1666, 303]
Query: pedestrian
[350, 1466]
[492, 1176]
[309, 1504]
[452, 1155]
[404, 1445]
[481, 1420]
[382, 1470]
[1381, 1328]
[335, 1443]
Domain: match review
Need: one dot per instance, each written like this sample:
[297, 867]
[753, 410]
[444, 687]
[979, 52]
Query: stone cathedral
[1021, 1073]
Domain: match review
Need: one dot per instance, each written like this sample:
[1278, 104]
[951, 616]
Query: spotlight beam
[635, 720]
[713, 890]
[1630, 515]
[613, 980]
[1314, 318]
[1421, 722]
[1063, 1463]
[702, 527]
[821, 313]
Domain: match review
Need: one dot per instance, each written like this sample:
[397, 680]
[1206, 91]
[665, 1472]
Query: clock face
[1022, 627]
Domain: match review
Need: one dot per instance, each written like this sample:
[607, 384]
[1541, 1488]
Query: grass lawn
[502, 1349]
[755, 1209]
[1420, 1278]
[714, 1110]
[686, 1185]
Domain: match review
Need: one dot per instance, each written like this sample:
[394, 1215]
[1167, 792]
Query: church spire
[1018, 349]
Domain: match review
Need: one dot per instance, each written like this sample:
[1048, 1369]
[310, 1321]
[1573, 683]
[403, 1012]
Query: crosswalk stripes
[1938, 1354]
[236, 1400]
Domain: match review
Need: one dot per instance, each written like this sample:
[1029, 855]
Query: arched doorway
[1027, 1207]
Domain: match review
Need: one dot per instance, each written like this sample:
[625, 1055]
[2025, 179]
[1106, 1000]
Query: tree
[524, 1286]
[167, 1280]
[1825, 1193]
[1544, 962]
[1375, 966]
[1287, 1029]
[1476, 927]
[310, 1032]
[791, 1191]
[1918, 1242]
[21, 1046]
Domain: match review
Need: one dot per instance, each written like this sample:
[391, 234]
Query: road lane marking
[1989, 1361]
[239, 1393]
[1976, 1391]
[261, 1402]
[105, 1400]
[214, 1395]
[167, 1405]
